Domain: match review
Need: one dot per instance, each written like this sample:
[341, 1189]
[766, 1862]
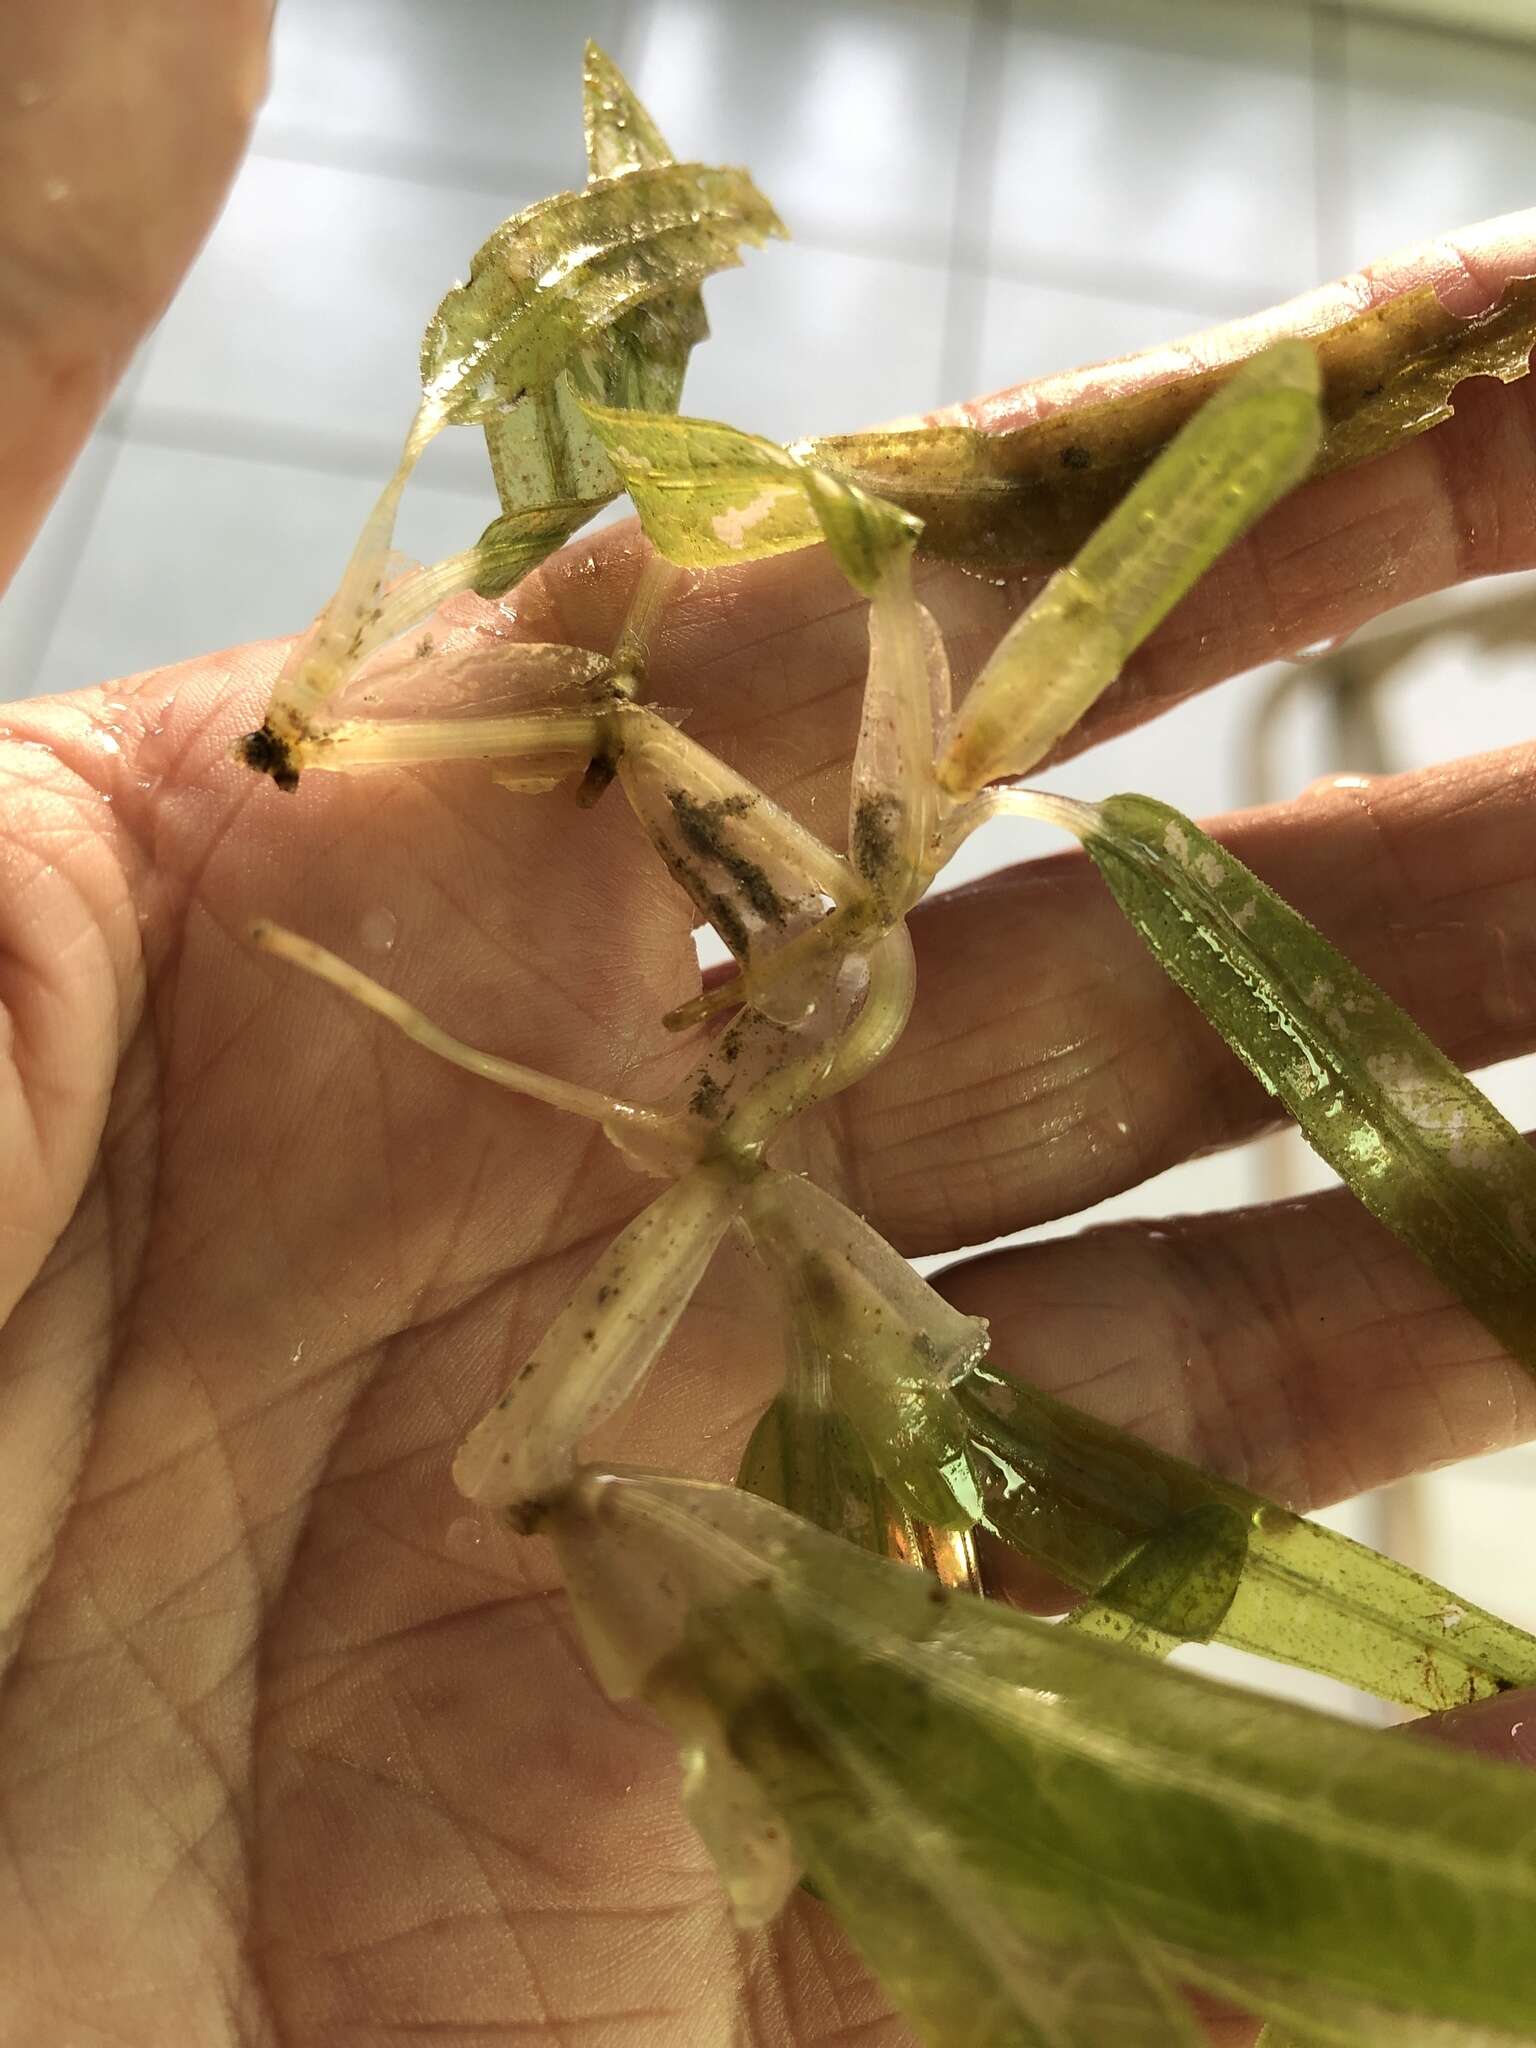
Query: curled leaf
[1028, 498]
[544, 456]
[550, 282]
[709, 494]
[1177, 1587]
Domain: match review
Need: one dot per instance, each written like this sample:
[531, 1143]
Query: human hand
[288, 1749]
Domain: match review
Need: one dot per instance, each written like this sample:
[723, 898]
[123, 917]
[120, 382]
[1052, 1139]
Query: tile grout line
[109, 437]
[1333, 227]
[981, 113]
[325, 451]
[961, 250]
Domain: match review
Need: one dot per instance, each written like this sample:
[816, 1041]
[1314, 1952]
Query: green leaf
[807, 1457]
[1177, 1587]
[546, 461]
[1030, 1779]
[514, 545]
[1240, 453]
[1422, 1147]
[631, 354]
[542, 450]
[547, 286]
[967, 1971]
[709, 494]
[1080, 1496]
[875, 1341]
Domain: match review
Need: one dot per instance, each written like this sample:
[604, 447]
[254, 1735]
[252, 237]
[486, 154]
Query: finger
[125, 125]
[1502, 1728]
[771, 657]
[1297, 1348]
[1415, 519]
[1049, 1061]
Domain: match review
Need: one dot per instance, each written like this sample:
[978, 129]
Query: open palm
[292, 1746]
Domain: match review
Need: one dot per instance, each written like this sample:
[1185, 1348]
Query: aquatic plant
[1035, 1833]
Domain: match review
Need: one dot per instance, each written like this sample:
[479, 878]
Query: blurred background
[979, 192]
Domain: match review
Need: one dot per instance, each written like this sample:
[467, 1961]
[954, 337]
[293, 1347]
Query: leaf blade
[620, 134]
[1046, 1767]
[1078, 1495]
[1419, 1143]
[1236, 457]
[552, 280]
[709, 495]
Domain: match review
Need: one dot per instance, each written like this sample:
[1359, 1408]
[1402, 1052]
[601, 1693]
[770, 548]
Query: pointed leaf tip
[621, 136]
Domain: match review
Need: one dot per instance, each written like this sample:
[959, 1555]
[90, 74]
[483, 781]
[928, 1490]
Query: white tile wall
[850, 117]
[302, 318]
[268, 528]
[1165, 138]
[29, 614]
[467, 89]
[1029, 329]
[1436, 134]
[801, 341]
[982, 190]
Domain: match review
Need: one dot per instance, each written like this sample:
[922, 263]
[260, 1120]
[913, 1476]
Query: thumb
[125, 122]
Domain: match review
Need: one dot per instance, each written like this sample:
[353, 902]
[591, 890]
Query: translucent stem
[841, 932]
[832, 1066]
[537, 738]
[416, 597]
[1069, 814]
[652, 593]
[894, 795]
[600, 1346]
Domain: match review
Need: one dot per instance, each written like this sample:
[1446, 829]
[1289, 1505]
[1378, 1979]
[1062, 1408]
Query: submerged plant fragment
[1086, 1500]
[1026, 498]
[708, 495]
[886, 1343]
[588, 295]
[1177, 1587]
[977, 1793]
[1035, 1834]
[1237, 455]
[1417, 1141]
